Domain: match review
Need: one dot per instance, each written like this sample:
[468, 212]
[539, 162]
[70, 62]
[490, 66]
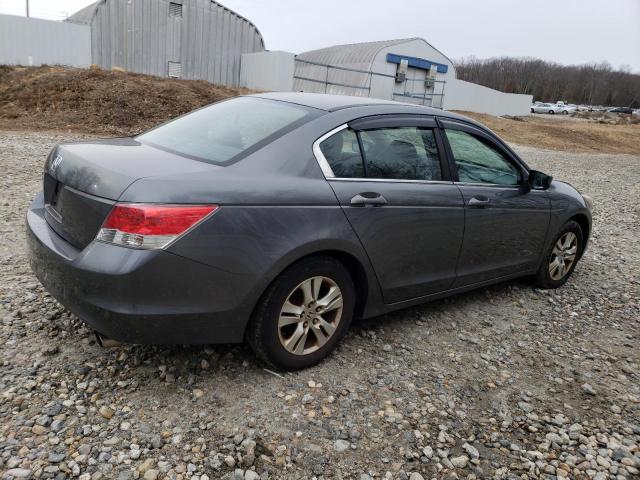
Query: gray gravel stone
[415, 390]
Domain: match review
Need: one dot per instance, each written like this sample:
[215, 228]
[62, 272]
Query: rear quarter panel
[255, 243]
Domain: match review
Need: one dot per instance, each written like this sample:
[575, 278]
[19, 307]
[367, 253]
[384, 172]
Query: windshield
[223, 131]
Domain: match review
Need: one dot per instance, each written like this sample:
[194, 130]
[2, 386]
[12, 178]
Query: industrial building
[405, 70]
[203, 40]
[408, 70]
[194, 39]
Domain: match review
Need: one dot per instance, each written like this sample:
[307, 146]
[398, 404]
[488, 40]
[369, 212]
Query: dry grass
[581, 134]
[97, 101]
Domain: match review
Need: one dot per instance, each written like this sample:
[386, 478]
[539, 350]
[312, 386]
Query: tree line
[589, 84]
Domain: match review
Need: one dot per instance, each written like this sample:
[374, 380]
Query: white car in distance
[546, 108]
[567, 109]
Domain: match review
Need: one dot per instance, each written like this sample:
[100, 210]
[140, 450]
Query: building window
[175, 9]
[175, 69]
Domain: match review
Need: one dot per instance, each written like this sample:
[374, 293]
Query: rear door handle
[372, 199]
[479, 202]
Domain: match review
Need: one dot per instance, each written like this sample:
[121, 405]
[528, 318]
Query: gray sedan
[277, 218]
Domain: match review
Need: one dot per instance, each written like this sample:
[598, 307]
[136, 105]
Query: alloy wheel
[563, 256]
[310, 315]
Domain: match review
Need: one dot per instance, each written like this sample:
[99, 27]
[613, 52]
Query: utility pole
[27, 8]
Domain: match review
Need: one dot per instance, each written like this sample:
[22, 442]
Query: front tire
[303, 314]
[551, 112]
[561, 257]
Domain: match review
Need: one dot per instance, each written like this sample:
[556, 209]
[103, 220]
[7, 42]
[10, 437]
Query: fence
[32, 42]
[322, 78]
[476, 98]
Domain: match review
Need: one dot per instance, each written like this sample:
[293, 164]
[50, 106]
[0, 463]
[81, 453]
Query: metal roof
[357, 52]
[351, 53]
[86, 14]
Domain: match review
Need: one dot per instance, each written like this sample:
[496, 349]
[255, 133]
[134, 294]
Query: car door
[505, 222]
[392, 182]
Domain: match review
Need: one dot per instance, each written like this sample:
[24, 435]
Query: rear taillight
[150, 226]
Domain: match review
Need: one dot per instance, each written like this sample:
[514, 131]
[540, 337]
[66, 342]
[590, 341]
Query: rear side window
[225, 131]
[342, 152]
[406, 153]
[478, 162]
[399, 153]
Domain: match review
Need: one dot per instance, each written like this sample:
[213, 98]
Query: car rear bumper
[136, 296]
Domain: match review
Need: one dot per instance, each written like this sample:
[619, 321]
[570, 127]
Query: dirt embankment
[603, 133]
[97, 101]
[106, 102]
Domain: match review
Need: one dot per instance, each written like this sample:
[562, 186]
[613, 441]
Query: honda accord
[277, 218]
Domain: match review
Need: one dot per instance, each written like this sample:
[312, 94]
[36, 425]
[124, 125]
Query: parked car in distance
[566, 109]
[626, 110]
[597, 108]
[276, 218]
[546, 108]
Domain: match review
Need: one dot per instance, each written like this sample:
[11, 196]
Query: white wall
[269, 71]
[33, 42]
[461, 95]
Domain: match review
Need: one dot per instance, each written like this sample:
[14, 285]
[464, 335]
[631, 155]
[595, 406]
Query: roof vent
[175, 9]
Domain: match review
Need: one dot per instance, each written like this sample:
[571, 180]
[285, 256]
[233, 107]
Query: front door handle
[479, 202]
[365, 199]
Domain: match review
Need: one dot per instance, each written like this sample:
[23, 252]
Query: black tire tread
[542, 279]
[262, 314]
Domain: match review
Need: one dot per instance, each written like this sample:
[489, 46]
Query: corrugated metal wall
[142, 36]
[363, 69]
[31, 41]
[352, 75]
[267, 71]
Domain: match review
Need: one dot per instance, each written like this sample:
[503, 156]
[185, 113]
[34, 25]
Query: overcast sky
[565, 31]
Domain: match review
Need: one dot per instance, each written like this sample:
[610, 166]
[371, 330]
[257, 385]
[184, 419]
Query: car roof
[332, 103]
[324, 101]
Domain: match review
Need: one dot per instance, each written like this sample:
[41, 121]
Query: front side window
[342, 152]
[224, 131]
[406, 153]
[478, 162]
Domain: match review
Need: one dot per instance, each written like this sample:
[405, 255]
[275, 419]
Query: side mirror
[538, 180]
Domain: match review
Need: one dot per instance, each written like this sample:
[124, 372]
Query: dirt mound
[97, 101]
[584, 134]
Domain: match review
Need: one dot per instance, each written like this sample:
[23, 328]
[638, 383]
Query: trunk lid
[82, 181]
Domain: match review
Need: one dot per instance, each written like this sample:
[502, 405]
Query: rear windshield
[226, 131]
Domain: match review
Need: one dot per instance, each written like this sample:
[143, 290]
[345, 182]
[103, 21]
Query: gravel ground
[504, 382]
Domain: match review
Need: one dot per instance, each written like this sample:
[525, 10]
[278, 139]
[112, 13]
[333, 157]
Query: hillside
[97, 101]
[115, 103]
[582, 133]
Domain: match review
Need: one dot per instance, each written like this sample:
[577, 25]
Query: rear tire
[303, 314]
[561, 257]
[551, 112]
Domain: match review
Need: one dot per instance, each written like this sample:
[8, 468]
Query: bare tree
[590, 84]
